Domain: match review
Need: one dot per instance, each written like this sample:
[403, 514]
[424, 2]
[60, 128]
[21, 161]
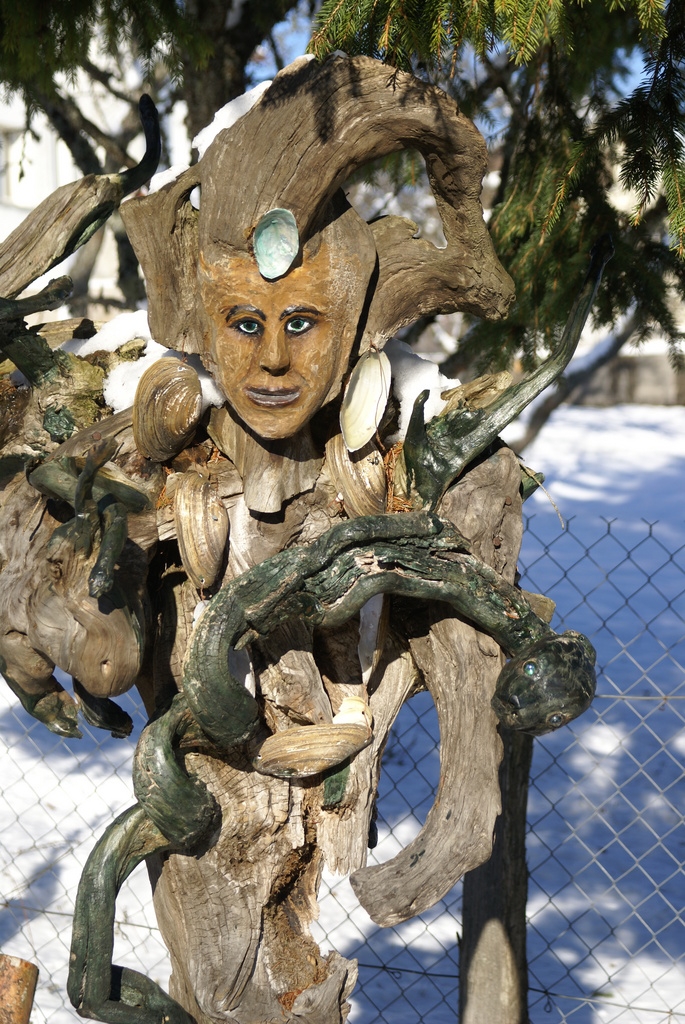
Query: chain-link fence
[606, 837]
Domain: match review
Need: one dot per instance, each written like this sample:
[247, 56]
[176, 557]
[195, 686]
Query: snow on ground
[627, 461]
[607, 841]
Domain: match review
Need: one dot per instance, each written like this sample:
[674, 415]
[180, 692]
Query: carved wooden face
[278, 348]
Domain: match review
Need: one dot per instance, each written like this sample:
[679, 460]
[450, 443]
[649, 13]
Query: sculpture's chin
[275, 430]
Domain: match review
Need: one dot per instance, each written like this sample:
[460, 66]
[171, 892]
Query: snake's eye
[530, 668]
[555, 719]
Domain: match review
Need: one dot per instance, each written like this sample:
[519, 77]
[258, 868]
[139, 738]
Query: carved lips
[273, 396]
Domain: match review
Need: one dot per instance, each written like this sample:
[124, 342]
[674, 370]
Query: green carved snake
[549, 680]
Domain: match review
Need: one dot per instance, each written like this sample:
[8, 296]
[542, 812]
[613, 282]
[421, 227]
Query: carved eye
[298, 325]
[530, 668]
[248, 326]
[555, 719]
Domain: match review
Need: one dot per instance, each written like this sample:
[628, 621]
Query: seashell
[166, 409]
[366, 396]
[353, 711]
[310, 749]
[276, 243]
[201, 522]
[359, 477]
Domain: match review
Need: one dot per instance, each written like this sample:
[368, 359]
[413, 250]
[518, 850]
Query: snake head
[436, 452]
[547, 685]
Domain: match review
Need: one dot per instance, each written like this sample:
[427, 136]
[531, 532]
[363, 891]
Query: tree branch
[70, 123]
[104, 78]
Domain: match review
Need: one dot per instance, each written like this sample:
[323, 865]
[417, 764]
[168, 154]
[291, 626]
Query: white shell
[276, 243]
[353, 711]
[365, 399]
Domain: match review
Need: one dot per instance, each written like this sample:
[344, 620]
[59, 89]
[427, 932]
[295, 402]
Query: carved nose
[274, 355]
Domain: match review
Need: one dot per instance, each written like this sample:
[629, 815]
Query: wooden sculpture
[161, 546]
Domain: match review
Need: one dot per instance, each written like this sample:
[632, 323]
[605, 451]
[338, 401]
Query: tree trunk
[235, 31]
[493, 965]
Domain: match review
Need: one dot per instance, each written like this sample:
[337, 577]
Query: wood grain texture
[18, 979]
[50, 232]
[236, 908]
[494, 967]
[314, 126]
[459, 666]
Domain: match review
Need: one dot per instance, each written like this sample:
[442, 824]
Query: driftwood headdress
[293, 150]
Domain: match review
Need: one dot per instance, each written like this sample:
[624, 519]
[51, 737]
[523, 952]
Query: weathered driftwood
[71, 215]
[276, 904]
[18, 980]
[460, 667]
[236, 854]
[492, 952]
[323, 583]
[66, 392]
[340, 115]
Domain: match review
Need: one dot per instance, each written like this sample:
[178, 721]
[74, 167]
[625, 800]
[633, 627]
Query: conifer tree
[579, 101]
[196, 51]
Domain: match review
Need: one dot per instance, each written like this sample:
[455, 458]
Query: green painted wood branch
[437, 452]
[415, 555]
[33, 356]
[58, 476]
[180, 806]
[98, 988]
[51, 297]
[549, 681]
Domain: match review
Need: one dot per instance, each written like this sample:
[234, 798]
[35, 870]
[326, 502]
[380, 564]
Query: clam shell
[201, 522]
[353, 711]
[310, 749]
[166, 409]
[276, 243]
[365, 399]
[359, 477]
